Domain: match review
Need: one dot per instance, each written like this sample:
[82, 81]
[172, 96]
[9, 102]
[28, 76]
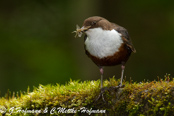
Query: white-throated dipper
[106, 43]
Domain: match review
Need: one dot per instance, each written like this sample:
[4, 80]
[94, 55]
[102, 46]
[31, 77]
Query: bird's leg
[122, 73]
[101, 72]
[101, 86]
[103, 89]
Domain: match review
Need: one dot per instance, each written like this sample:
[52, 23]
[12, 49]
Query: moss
[76, 97]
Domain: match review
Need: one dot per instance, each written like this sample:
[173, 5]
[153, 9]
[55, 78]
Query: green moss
[135, 99]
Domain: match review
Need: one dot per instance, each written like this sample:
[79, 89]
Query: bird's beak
[79, 31]
[83, 29]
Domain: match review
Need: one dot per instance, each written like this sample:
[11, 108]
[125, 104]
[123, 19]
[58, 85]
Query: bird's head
[93, 22]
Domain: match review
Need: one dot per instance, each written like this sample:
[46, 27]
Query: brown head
[96, 21]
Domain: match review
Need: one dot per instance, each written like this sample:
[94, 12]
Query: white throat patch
[102, 43]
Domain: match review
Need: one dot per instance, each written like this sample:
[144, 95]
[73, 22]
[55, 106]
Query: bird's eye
[93, 22]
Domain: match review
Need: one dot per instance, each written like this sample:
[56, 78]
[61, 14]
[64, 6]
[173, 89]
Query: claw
[101, 95]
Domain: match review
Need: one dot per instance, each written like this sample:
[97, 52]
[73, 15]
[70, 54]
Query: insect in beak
[79, 31]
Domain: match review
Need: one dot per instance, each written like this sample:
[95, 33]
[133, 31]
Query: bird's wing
[125, 36]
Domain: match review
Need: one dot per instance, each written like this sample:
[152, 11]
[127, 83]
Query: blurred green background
[37, 46]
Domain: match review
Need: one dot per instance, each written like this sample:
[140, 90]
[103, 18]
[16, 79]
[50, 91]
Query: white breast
[102, 43]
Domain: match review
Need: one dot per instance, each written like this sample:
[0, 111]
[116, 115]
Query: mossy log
[154, 98]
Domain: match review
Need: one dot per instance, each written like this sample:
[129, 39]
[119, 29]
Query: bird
[106, 43]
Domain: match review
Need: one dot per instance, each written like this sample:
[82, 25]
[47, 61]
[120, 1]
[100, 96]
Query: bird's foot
[101, 93]
[104, 89]
[120, 86]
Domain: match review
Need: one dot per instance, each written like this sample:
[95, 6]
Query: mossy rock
[154, 98]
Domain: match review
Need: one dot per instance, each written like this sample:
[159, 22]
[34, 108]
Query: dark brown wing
[125, 36]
